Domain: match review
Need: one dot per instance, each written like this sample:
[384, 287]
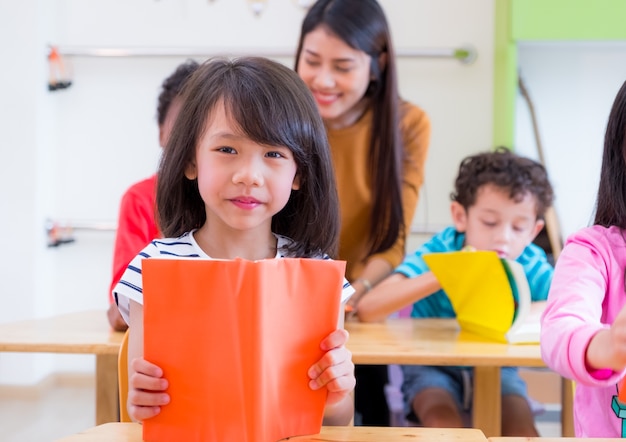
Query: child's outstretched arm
[576, 340]
[335, 371]
[146, 385]
[394, 293]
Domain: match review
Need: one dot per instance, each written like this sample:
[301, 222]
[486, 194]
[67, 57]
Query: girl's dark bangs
[260, 118]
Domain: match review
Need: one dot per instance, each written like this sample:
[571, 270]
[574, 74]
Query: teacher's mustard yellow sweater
[350, 148]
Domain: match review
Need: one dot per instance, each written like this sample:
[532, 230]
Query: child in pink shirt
[583, 332]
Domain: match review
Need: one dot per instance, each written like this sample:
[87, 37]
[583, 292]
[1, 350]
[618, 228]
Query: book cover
[235, 340]
[490, 295]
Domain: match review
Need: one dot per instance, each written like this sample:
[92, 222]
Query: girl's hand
[618, 340]
[335, 369]
[146, 390]
[607, 348]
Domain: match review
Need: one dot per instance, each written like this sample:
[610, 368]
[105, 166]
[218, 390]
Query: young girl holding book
[247, 173]
[583, 329]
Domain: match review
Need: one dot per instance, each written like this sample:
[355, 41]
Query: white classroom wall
[572, 86]
[69, 155]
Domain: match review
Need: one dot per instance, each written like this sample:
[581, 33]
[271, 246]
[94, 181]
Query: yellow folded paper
[490, 295]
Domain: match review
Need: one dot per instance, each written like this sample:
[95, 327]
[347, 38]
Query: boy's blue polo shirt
[533, 259]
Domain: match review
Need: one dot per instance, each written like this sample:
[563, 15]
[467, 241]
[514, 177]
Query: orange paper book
[621, 390]
[235, 340]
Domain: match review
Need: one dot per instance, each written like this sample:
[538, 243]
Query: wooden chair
[553, 226]
[567, 407]
[122, 378]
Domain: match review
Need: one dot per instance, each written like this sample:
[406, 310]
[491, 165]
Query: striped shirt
[130, 285]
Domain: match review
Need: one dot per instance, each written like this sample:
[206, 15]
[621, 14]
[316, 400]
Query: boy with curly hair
[499, 202]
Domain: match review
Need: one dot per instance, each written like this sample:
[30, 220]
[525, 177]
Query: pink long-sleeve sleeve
[586, 294]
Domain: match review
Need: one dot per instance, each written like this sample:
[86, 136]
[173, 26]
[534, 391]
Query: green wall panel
[505, 77]
[568, 20]
[543, 20]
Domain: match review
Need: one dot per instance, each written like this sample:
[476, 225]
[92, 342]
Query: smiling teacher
[379, 144]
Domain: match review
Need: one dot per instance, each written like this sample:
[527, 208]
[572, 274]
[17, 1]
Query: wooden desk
[117, 432]
[397, 341]
[552, 439]
[82, 332]
[439, 342]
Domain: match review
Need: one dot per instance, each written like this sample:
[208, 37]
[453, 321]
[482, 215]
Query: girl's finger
[336, 339]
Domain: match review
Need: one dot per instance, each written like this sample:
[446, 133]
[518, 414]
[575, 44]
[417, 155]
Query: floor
[67, 406]
[47, 412]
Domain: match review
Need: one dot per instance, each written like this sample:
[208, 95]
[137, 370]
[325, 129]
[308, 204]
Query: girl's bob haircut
[272, 106]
